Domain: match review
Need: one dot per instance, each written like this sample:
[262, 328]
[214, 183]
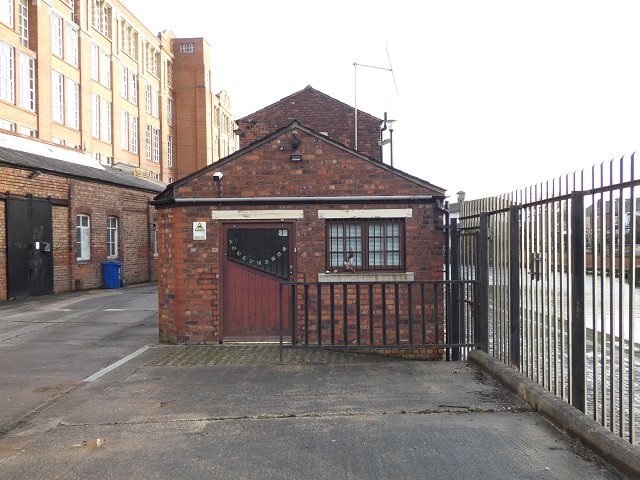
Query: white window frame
[124, 120]
[156, 145]
[148, 142]
[57, 37]
[170, 150]
[95, 115]
[124, 81]
[112, 237]
[105, 68]
[147, 98]
[187, 47]
[155, 98]
[23, 22]
[105, 119]
[134, 88]
[57, 96]
[7, 125]
[95, 62]
[7, 80]
[27, 82]
[169, 111]
[73, 104]
[134, 134]
[72, 45]
[83, 237]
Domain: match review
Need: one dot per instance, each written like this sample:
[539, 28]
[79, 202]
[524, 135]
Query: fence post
[453, 300]
[482, 315]
[578, 330]
[514, 286]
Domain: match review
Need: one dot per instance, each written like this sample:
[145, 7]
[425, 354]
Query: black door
[29, 247]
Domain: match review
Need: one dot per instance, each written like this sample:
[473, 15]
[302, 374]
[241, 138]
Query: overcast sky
[493, 95]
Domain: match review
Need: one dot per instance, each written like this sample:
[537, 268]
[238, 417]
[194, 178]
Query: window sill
[377, 277]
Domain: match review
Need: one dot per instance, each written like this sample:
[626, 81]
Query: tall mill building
[89, 75]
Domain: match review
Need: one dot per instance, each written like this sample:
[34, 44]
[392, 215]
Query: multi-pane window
[95, 115]
[101, 17]
[148, 142]
[105, 68]
[169, 111]
[106, 160]
[6, 73]
[105, 124]
[27, 82]
[95, 62]
[170, 151]
[155, 98]
[7, 125]
[57, 96]
[72, 45]
[23, 22]
[154, 230]
[56, 34]
[134, 89]
[83, 237]
[147, 98]
[152, 59]
[30, 132]
[376, 244]
[124, 81]
[73, 104]
[112, 237]
[6, 12]
[57, 140]
[129, 44]
[134, 134]
[124, 118]
[187, 47]
[156, 145]
[169, 74]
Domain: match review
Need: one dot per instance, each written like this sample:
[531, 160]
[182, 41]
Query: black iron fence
[429, 318]
[561, 286]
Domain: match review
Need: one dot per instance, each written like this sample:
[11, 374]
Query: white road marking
[113, 366]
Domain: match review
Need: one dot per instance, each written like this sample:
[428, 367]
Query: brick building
[320, 112]
[89, 75]
[65, 214]
[286, 207]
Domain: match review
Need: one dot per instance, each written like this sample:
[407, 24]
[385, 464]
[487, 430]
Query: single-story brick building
[62, 215]
[291, 206]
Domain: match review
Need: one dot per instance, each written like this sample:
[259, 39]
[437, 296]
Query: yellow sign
[199, 230]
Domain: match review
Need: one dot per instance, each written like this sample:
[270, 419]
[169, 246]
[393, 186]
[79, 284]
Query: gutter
[301, 200]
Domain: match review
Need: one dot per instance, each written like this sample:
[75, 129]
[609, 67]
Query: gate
[29, 247]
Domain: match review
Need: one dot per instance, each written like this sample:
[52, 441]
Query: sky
[489, 96]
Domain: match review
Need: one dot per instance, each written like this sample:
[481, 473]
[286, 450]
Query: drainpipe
[445, 230]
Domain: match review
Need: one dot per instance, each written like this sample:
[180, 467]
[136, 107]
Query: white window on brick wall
[56, 35]
[169, 111]
[73, 104]
[7, 125]
[155, 98]
[57, 96]
[72, 45]
[148, 142]
[106, 160]
[112, 237]
[124, 81]
[147, 98]
[27, 82]
[95, 116]
[23, 20]
[134, 134]
[6, 12]
[134, 89]
[170, 151]
[105, 68]
[30, 132]
[96, 156]
[95, 62]
[187, 47]
[154, 230]
[124, 118]
[105, 124]
[57, 141]
[156, 145]
[83, 237]
[6, 73]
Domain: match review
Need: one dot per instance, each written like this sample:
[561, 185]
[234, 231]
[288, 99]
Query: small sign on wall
[199, 230]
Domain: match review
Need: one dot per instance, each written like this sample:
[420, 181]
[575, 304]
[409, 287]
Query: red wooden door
[257, 258]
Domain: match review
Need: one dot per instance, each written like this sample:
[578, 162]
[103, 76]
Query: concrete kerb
[617, 451]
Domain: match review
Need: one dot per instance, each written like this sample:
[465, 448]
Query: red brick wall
[189, 271]
[98, 200]
[317, 111]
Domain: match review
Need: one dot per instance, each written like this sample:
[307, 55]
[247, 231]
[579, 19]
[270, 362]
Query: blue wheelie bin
[112, 274]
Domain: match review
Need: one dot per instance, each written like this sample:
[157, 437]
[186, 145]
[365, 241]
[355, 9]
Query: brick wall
[319, 112]
[190, 271]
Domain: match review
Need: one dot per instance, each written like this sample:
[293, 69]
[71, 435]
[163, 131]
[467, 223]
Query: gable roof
[54, 166]
[169, 192]
[299, 92]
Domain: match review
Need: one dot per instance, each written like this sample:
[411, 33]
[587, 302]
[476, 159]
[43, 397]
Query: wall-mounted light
[296, 157]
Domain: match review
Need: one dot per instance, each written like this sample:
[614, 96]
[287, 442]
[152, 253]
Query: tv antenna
[355, 80]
